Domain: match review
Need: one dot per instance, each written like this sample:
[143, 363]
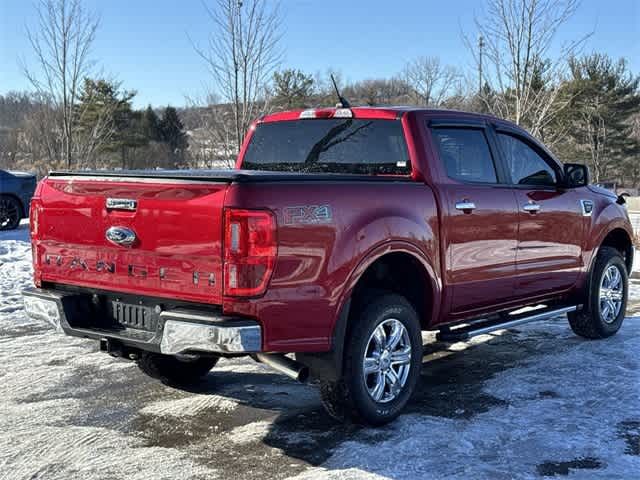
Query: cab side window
[465, 154]
[524, 164]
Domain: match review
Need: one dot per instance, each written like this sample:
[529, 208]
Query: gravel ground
[528, 403]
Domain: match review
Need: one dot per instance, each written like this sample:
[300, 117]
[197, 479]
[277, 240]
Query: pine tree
[173, 134]
[292, 88]
[133, 135]
[151, 125]
[102, 117]
[605, 98]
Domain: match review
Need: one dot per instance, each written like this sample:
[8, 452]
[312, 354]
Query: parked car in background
[16, 190]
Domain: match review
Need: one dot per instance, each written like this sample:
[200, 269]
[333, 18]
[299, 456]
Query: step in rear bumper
[178, 330]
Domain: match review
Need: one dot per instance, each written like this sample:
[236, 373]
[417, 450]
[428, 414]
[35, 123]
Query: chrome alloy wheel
[611, 294]
[387, 360]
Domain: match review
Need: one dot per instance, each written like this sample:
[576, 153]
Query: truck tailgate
[178, 232]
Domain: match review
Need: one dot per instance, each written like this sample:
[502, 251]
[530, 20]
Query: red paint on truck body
[178, 226]
[492, 258]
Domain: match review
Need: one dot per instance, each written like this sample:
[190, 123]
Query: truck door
[549, 255]
[479, 223]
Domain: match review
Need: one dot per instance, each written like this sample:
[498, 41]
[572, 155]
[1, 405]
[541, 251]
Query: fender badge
[307, 214]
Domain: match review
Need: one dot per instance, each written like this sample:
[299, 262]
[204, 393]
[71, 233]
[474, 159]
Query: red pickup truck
[342, 234]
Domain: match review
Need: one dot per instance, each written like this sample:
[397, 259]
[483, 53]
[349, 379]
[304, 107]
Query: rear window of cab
[345, 145]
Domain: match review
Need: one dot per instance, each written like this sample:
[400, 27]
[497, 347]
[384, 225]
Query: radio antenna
[343, 101]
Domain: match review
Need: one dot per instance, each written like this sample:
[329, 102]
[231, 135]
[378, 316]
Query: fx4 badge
[307, 214]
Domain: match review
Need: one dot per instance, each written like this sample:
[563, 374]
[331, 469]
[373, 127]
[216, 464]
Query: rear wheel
[10, 212]
[176, 370]
[383, 356]
[604, 312]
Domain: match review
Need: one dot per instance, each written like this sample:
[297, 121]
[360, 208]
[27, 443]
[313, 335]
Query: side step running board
[481, 327]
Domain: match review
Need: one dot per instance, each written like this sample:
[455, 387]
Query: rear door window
[465, 154]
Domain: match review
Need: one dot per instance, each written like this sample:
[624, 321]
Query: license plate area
[133, 316]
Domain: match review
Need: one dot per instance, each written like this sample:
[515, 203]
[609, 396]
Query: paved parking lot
[526, 403]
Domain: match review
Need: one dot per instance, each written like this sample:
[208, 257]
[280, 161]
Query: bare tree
[431, 82]
[325, 91]
[379, 91]
[62, 43]
[42, 134]
[32, 144]
[242, 53]
[210, 127]
[523, 81]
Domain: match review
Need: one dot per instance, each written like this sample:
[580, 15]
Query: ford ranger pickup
[341, 235]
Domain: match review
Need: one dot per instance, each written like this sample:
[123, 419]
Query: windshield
[329, 145]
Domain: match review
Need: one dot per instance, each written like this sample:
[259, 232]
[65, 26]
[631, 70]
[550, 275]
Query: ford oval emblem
[121, 236]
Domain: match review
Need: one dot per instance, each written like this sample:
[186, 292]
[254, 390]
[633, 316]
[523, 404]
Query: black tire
[349, 398]
[589, 322]
[175, 371]
[10, 212]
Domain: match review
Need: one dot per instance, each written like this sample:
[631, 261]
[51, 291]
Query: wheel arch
[401, 272]
[399, 254]
[616, 236]
[619, 238]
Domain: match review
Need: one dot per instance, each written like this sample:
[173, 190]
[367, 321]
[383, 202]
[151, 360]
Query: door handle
[531, 207]
[466, 206]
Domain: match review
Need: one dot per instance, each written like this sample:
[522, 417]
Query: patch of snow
[634, 289]
[250, 433]
[349, 474]
[16, 273]
[190, 406]
[595, 386]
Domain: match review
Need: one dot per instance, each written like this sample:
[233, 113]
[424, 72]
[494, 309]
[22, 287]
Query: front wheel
[604, 312]
[175, 370]
[383, 356]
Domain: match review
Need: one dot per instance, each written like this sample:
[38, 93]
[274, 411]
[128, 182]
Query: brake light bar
[326, 113]
[250, 250]
[343, 113]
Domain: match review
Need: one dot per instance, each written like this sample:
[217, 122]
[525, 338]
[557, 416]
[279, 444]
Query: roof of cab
[383, 113]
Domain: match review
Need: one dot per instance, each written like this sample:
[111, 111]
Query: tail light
[250, 250]
[34, 218]
[34, 227]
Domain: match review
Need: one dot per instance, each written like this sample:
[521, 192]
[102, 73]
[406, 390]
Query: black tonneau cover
[229, 176]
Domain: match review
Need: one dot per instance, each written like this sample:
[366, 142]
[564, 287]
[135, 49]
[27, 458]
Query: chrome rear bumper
[177, 331]
[181, 334]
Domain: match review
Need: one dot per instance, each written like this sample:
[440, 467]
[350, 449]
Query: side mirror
[576, 175]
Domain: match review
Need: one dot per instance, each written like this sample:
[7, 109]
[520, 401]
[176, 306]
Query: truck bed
[229, 176]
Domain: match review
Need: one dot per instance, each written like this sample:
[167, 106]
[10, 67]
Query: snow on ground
[567, 405]
[528, 403]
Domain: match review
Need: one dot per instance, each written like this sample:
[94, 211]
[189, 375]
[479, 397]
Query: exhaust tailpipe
[285, 365]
